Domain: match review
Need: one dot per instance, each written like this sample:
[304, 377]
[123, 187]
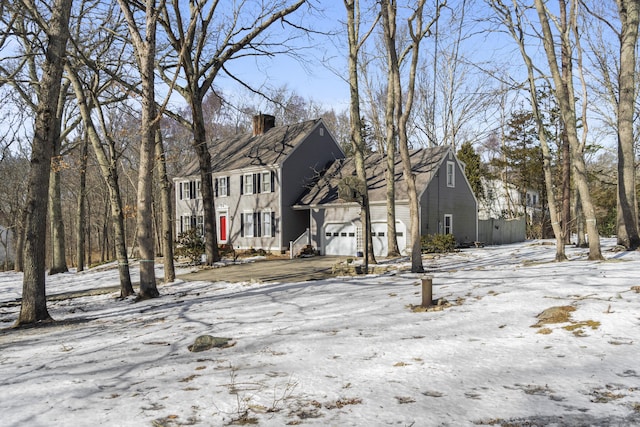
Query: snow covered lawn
[347, 351]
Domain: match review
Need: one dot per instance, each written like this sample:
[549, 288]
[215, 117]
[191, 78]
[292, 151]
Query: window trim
[185, 222]
[247, 183]
[185, 190]
[266, 181]
[451, 174]
[248, 224]
[190, 189]
[447, 229]
[222, 183]
[266, 218]
[189, 221]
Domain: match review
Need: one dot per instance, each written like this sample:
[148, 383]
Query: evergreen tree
[474, 169]
[522, 156]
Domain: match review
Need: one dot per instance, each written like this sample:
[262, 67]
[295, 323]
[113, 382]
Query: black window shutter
[241, 184]
[256, 224]
[273, 181]
[216, 188]
[181, 197]
[228, 185]
[273, 224]
[241, 225]
[256, 183]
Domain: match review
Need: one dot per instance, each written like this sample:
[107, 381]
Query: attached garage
[340, 239]
[345, 238]
[443, 189]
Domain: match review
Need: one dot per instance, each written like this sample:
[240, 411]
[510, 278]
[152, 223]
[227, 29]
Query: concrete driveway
[278, 270]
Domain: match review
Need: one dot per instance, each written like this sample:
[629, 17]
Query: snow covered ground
[348, 351]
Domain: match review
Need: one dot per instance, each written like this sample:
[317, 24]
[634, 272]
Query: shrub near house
[438, 243]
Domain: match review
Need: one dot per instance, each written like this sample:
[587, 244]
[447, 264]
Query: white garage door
[340, 239]
[379, 237]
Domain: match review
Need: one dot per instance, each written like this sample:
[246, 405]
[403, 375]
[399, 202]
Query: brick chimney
[262, 123]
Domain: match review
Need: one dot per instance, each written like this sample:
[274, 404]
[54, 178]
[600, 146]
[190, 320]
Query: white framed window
[185, 223]
[190, 190]
[186, 190]
[200, 224]
[248, 226]
[247, 184]
[188, 222]
[223, 186]
[265, 178]
[448, 224]
[451, 174]
[267, 226]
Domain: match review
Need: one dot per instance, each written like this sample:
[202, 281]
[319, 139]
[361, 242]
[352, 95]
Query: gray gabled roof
[245, 150]
[425, 163]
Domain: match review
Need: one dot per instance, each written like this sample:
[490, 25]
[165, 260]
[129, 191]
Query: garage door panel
[340, 239]
[379, 238]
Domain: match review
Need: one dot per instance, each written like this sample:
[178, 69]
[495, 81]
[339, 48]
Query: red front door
[223, 228]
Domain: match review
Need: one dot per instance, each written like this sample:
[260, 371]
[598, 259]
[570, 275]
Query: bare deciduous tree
[403, 103]
[200, 63]
[46, 133]
[107, 157]
[627, 215]
[564, 92]
[512, 20]
[144, 43]
[357, 141]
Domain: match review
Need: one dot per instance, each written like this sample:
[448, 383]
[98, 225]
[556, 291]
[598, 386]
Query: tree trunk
[166, 212]
[391, 147]
[89, 234]
[20, 237]
[357, 142]
[516, 31]
[109, 170]
[58, 239]
[566, 70]
[46, 132]
[145, 49]
[81, 213]
[566, 189]
[627, 214]
[566, 100]
[144, 223]
[58, 256]
[206, 182]
[581, 239]
[402, 113]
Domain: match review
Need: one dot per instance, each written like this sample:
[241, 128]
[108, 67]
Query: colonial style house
[447, 203]
[258, 177]
[279, 184]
